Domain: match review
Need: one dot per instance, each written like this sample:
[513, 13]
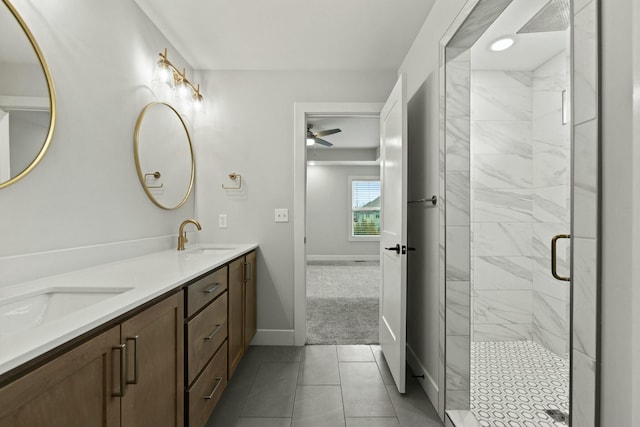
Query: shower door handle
[554, 256]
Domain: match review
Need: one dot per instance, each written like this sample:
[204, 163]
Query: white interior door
[393, 233]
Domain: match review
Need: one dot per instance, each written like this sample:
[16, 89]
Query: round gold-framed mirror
[27, 99]
[164, 155]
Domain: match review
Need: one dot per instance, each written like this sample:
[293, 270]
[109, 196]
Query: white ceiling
[357, 132]
[290, 34]
[529, 51]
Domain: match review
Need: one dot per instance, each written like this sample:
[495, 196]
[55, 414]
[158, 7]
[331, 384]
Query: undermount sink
[210, 250]
[23, 312]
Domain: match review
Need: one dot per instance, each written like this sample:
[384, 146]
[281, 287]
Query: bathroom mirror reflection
[164, 155]
[27, 100]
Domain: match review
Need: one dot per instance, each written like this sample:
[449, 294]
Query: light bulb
[198, 102]
[310, 141]
[163, 74]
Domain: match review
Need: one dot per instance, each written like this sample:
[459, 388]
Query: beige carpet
[342, 303]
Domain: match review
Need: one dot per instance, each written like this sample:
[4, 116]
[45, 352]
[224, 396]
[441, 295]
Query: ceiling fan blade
[328, 132]
[323, 142]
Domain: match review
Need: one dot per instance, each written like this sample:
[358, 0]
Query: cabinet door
[236, 314]
[250, 290]
[75, 389]
[155, 370]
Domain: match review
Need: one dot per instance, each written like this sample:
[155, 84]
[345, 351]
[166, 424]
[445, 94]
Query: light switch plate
[282, 215]
[222, 221]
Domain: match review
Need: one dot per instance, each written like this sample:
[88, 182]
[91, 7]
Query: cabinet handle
[135, 359]
[247, 271]
[214, 332]
[122, 348]
[212, 289]
[210, 396]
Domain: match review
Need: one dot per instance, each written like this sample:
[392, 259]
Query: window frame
[351, 237]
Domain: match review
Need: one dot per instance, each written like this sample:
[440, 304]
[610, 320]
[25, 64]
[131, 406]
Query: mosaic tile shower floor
[513, 383]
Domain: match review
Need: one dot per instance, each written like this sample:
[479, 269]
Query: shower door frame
[471, 22]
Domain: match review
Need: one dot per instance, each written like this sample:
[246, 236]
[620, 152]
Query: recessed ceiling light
[502, 43]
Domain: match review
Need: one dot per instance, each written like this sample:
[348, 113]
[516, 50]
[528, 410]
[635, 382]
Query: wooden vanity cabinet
[242, 307]
[74, 389]
[155, 367]
[84, 386]
[206, 345]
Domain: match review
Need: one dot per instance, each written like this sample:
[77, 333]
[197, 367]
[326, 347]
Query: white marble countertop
[148, 277]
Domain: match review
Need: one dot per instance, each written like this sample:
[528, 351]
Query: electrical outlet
[222, 221]
[282, 215]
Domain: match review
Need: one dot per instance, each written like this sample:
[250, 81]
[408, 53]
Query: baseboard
[273, 337]
[429, 385]
[343, 257]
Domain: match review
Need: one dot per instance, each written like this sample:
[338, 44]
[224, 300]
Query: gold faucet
[182, 235]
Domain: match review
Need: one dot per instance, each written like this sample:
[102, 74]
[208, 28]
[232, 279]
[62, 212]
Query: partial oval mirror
[164, 155]
[27, 99]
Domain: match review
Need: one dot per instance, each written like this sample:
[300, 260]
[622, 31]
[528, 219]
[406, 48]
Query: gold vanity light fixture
[177, 80]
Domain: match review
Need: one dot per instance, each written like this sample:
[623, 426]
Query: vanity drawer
[205, 333]
[206, 289]
[204, 394]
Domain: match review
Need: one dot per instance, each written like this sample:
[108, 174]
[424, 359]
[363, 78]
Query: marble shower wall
[502, 205]
[519, 200]
[551, 204]
[457, 230]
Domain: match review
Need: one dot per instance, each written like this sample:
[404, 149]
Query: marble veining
[502, 205]
[585, 55]
[502, 332]
[494, 307]
[501, 137]
[585, 296]
[501, 103]
[502, 171]
[502, 239]
[501, 272]
[458, 300]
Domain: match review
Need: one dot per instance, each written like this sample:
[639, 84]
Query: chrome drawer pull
[214, 332]
[212, 289]
[210, 396]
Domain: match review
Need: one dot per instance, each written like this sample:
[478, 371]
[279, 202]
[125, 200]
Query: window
[365, 208]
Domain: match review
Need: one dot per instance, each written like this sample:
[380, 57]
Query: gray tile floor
[318, 386]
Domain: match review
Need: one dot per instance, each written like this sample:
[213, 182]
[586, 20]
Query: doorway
[515, 155]
[302, 113]
[343, 229]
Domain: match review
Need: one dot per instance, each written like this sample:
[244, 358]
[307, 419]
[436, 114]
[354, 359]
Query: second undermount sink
[213, 250]
[23, 312]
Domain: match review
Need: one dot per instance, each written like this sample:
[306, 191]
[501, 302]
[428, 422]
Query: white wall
[423, 293]
[86, 191]
[249, 130]
[329, 213]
